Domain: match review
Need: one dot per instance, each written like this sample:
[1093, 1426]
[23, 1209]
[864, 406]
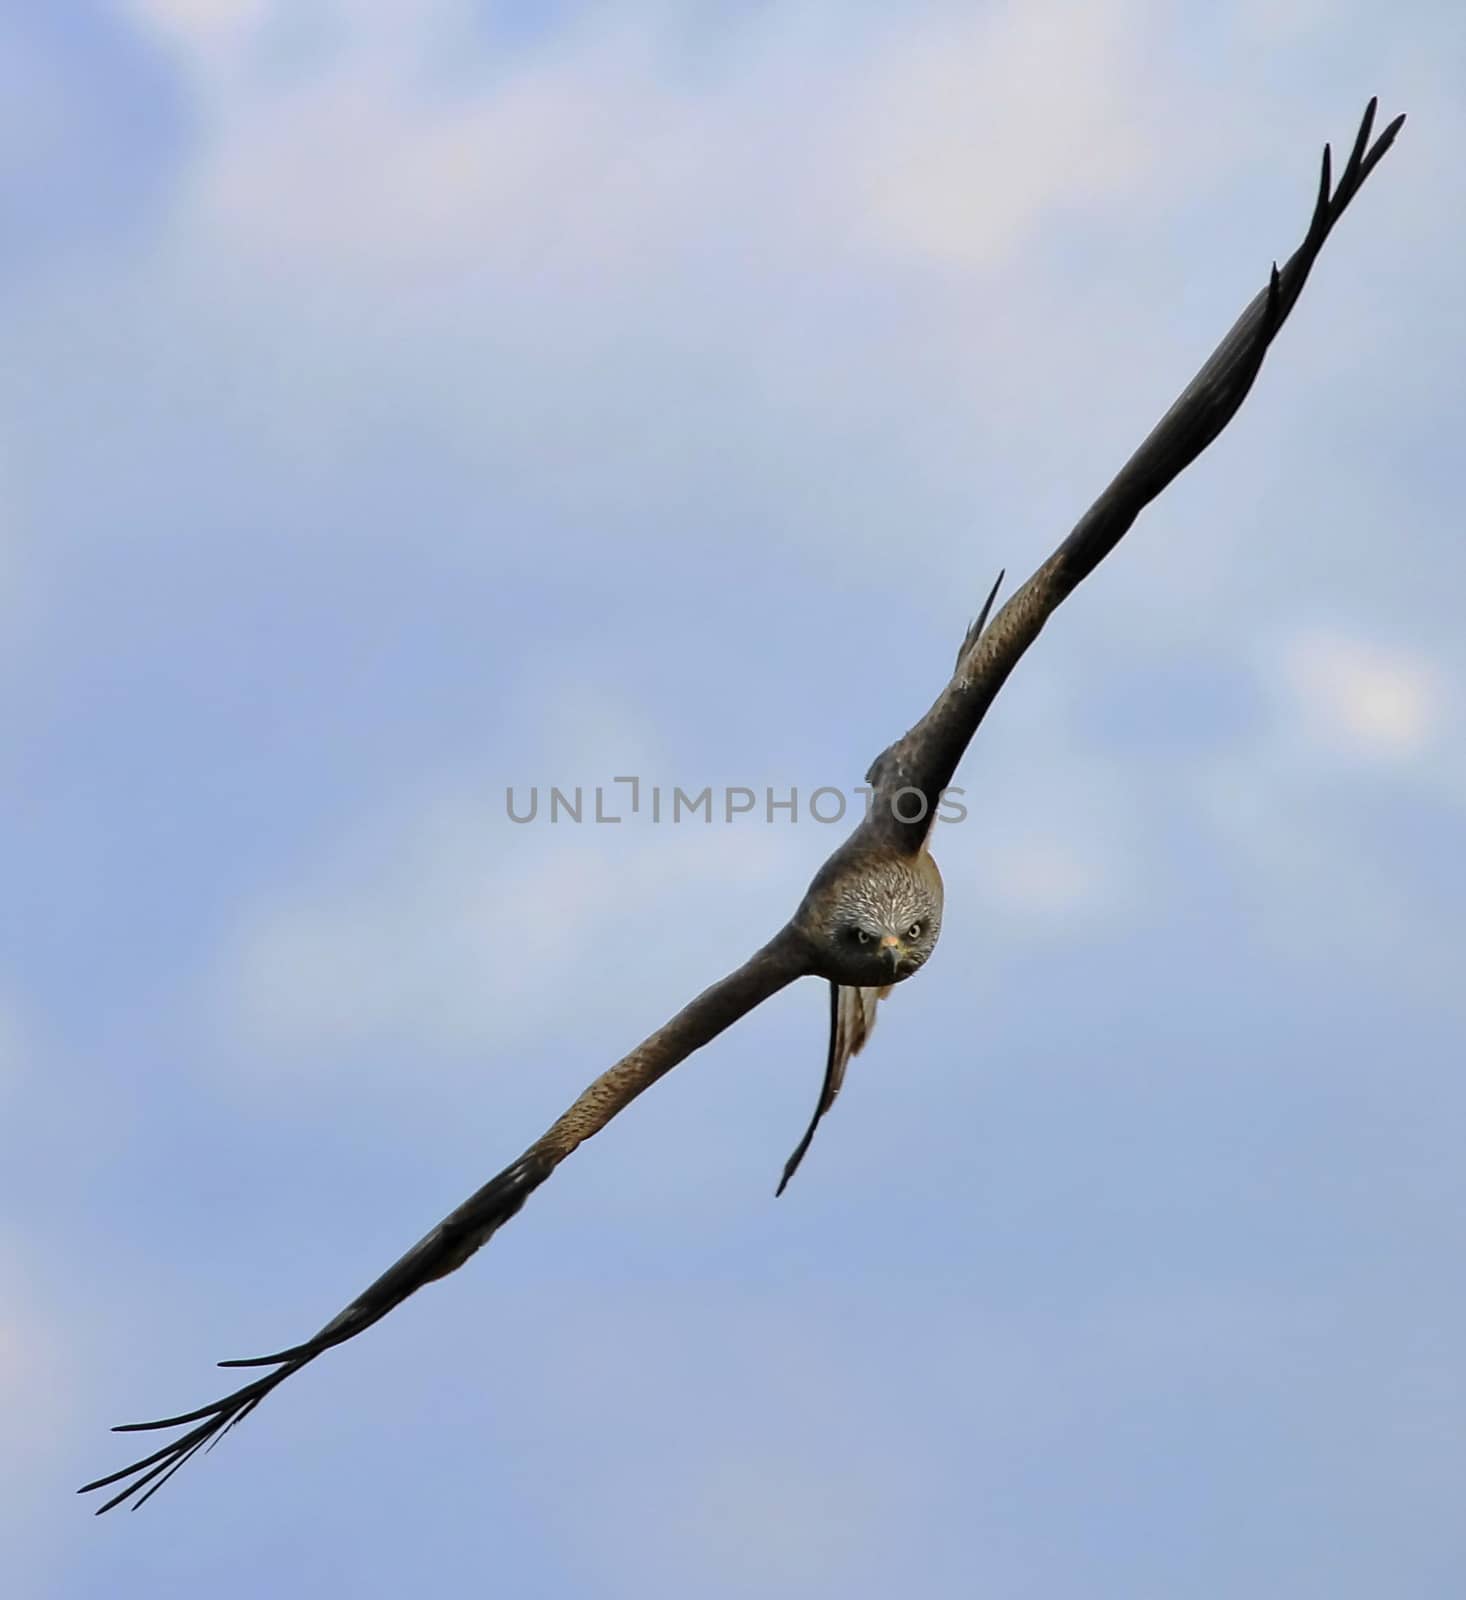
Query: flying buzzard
[873, 912]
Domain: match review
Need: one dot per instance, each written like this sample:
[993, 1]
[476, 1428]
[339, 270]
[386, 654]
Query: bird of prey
[872, 914]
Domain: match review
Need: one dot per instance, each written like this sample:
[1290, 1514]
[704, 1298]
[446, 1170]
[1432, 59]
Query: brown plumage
[872, 914]
[852, 1016]
[896, 902]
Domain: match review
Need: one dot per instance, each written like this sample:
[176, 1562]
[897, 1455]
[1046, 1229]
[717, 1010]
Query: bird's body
[872, 916]
[872, 913]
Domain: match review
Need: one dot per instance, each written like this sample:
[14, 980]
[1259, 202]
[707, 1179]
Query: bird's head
[875, 919]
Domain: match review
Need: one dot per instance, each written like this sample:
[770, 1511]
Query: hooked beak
[891, 946]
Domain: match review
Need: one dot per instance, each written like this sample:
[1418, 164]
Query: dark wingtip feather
[294, 1353]
[149, 1473]
[260, 1387]
[165, 1422]
[441, 1250]
[1361, 139]
[1385, 140]
[1365, 157]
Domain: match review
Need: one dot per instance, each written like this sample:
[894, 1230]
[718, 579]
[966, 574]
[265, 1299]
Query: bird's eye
[914, 931]
[862, 935]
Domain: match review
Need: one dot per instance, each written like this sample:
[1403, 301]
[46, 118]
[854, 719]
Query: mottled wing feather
[459, 1235]
[852, 1017]
[926, 758]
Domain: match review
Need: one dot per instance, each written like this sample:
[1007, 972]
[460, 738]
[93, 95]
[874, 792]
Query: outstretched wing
[459, 1235]
[924, 760]
[852, 1016]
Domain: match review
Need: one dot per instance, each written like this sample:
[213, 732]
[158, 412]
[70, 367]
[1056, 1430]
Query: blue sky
[408, 402]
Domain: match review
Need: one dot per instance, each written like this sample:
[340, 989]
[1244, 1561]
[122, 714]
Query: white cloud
[1045, 880]
[1272, 24]
[667, 264]
[454, 928]
[212, 43]
[1056, 838]
[974, 130]
[503, 245]
[1362, 698]
[1325, 864]
[951, 137]
[440, 923]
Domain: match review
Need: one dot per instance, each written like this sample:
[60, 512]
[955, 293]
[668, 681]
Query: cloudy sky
[403, 403]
